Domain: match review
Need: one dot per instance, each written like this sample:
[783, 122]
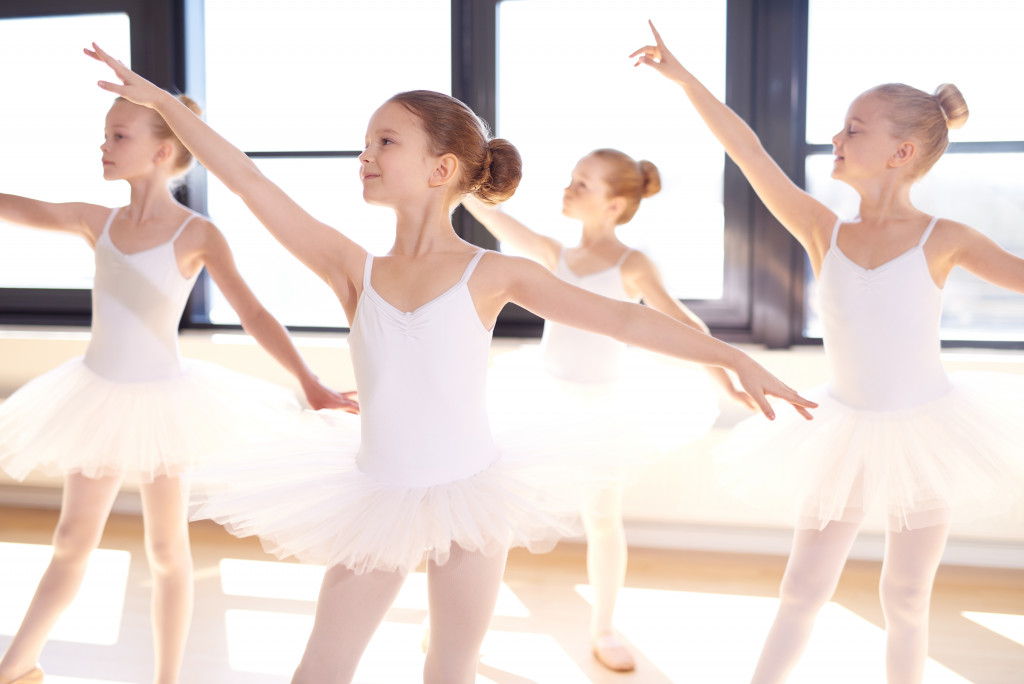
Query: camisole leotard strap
[110, 219]
[924, 237]
[928, 231]
[368, 268]
[181, 228]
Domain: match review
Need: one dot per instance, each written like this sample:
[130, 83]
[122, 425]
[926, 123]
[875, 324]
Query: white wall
[677, 504]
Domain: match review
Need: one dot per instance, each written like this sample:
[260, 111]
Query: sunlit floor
[691, 617]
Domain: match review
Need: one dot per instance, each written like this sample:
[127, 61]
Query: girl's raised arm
[507, 229]
[807, 219]
[531, 286]
[332, 256]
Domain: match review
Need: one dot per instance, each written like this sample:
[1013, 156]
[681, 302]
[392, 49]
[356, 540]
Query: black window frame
[155, 29]
[766, 81]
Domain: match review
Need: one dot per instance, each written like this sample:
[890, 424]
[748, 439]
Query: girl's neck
[598, 232]
[150, 199]
[885, 202]
[422, 230]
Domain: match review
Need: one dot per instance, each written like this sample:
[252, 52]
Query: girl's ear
[616, 206]
[904, 154]
[446, 169]
[164, 153]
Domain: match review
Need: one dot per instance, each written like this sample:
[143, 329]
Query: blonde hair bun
[953, 105]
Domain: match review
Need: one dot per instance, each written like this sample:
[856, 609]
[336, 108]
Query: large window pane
[304, 77]
[975, 46]
[307, 74]
[856, 45]
[985, 191]
[53, 126]
[555, 110]
[329, 189]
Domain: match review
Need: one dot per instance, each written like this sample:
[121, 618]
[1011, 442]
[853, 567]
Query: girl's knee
[73, 541]
[169, 556]
[902, 600]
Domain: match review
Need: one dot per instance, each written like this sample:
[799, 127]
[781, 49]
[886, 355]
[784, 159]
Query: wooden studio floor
[691, 617]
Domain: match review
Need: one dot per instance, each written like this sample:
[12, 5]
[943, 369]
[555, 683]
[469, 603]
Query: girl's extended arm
[806, 218]
[531, 286]
[79, 218]
[214, 253]
[980, 255]
[328, 253]
[641, 273]
[508, 230]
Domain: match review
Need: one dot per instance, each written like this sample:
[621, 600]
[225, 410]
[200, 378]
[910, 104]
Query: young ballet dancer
[893, 428]
[423, 473]
[614, 407]
[132, 408]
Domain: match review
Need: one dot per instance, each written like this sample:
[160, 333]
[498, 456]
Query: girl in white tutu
[612, 407]
[132, 408]
[423, 474]
[893, 429]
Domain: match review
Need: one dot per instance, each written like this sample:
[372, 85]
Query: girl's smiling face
[396, 161]
[866, 144]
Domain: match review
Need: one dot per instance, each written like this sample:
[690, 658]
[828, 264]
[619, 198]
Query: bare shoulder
[637, 264]
[91, 219]
[201, 234]
[950, 236]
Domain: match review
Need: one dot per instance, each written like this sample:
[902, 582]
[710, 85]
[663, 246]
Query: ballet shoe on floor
[35, 676]
[613, 654]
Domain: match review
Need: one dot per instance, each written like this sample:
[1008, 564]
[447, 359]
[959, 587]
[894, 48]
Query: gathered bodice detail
[881, 329]
[422, 386]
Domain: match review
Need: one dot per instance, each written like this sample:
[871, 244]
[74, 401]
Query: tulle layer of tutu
[653, 409]
[306, 498]
[71, 420]
[958, 456]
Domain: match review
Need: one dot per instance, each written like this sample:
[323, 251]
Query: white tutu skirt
[609, 429]
[958, 456]
[71, 420]
[307, 498]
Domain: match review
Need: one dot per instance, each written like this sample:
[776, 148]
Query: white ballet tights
[165, 521]
[462, 594]
[606, 553]
[812, 573]
[84, 511]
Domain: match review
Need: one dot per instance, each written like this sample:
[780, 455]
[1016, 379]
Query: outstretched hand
[319, 397]
[760, 384]
[132, 87]
[659, 58]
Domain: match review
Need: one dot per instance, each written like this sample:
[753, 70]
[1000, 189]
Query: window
[978, 181]
[294, 85]
[558, 106]
[50, 149]
[53, 127]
